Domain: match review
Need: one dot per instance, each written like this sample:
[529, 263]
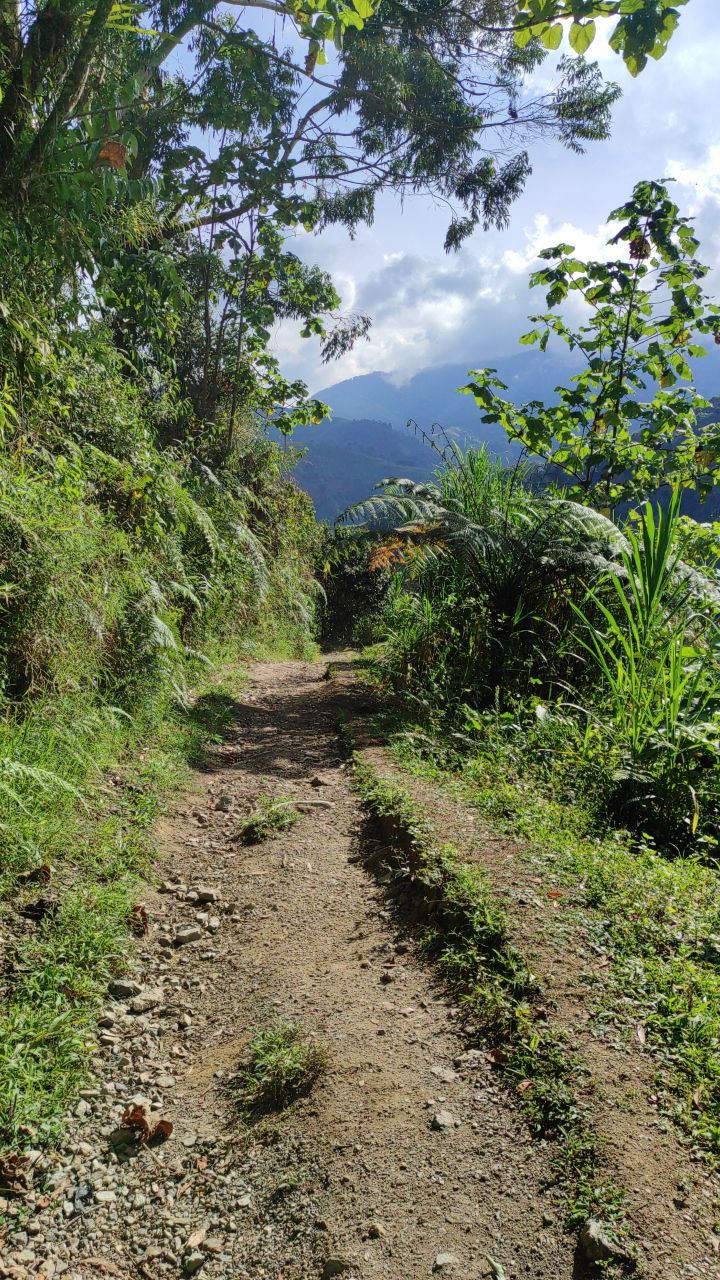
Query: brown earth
[360, 1178]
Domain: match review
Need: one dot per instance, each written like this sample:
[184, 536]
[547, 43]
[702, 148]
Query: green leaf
[497, 1270]
[582, 35]
[551, 37]
[635, 63]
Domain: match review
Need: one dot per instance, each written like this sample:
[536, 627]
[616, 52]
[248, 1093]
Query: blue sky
[429, 308]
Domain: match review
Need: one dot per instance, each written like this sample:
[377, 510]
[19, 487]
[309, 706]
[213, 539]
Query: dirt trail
[355, 1179]
[407, 1160]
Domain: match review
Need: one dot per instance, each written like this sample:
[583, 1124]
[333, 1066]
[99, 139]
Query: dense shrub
[355, 590]
[485, 571]
[579, 650]
[125, 568]
[117, 566]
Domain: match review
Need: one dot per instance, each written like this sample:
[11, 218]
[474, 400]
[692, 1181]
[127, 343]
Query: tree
[166, 187]
[411, 100]
[140, 183]
[55, 54]
[644, 313]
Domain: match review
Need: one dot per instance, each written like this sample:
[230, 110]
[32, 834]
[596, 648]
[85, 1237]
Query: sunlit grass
[89, 842]
[283, 1064]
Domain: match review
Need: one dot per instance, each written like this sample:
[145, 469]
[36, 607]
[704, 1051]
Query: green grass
[282, 641]
[465, 931]
[283, 1065]
[272, 815]
[95, 835]
[657, 918]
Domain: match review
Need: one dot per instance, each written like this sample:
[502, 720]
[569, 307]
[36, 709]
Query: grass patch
[466, 932]
[283, 1065]
[92, 838]
[658, 918]
[272, 815]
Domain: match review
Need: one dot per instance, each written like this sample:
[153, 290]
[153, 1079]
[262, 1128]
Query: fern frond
[257, 560]
[163, 634]
[33, 776]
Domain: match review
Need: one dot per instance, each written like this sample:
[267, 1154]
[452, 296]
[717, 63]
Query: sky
[430, 308]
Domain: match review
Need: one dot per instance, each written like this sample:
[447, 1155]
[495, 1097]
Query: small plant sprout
[271, 815]
[283, 1064]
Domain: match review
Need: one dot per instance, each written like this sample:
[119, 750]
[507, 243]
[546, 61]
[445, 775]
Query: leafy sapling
[630, 421]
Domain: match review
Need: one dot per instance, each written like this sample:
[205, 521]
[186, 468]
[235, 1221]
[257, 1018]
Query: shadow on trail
[288, 732]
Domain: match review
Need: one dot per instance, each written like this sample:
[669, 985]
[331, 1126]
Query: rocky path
[406, 1160]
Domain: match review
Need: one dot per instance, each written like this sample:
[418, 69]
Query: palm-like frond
[398, 502]
[532, 540]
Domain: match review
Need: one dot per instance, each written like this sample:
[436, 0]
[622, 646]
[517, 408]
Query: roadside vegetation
[74, 900]
[552, 639]
[653, 917]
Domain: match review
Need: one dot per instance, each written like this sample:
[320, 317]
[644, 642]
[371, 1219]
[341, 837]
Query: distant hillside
[368, 439]
[431, 395]
[345, 459]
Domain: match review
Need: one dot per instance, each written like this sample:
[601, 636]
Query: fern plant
[480, 536]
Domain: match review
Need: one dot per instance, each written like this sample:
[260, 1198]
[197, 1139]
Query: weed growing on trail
[272, 815]
[283, 1064]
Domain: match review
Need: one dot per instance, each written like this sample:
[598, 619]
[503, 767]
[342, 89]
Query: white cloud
[428, 308]
[543, 233]
[702, 178]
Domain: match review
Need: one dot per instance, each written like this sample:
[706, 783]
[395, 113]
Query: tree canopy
[154, 154]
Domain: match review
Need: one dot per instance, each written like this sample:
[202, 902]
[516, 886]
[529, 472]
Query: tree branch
[48, 40]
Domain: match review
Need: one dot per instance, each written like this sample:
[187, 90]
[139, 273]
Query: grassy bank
[656, 918]
[92, 788]
[129, 574]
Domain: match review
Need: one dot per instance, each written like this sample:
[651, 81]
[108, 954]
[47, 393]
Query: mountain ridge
[367, 438]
